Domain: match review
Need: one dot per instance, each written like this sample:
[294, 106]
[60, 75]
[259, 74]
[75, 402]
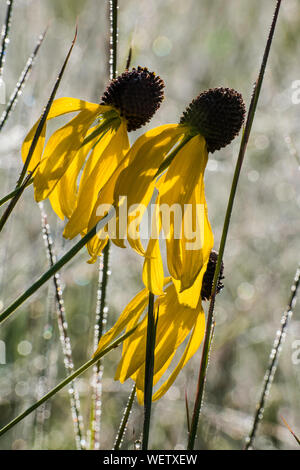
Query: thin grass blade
[124, 421]
[5, 32]
[149, 369]
[21, 81]
[66, 381]
[242, 151]
[290, 429]
[56, 267]
[274, 357]
[19, 185]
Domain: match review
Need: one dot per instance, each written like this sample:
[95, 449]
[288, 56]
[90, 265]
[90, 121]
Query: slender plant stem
[64, 336]
[14, 199]
[124, 421]
[45, 113]
[243, 147]
[56, 267]
[66, 381]
[172, 155]
[98, 368]
[15, 191]
[274, 356]
[34, 142]
[291, 431]
[149, 369]
[101, 303]
[5, 32]
[47, 375]
[128, 61]
[113, 18]
[21, 81]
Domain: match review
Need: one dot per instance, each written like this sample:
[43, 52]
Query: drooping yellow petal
[187, 230]
[153, 271]
[131, 313]
[59, 107]
[137, 180]
[193, 345]
[103, 204]
[191, 348]
[61, 148]
[102, 142]
[63, 198]
[164, 352]
[110, 152]
[175, 321]
[196, 251]
[156, 142]
[191, 296]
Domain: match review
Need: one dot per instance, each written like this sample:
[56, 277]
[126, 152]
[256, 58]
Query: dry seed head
[209, 276]
[217, 114]
[137, 94]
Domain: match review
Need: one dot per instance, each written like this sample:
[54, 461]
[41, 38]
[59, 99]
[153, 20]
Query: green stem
[113, 11]
[67, 380]
[172, 155]
[124, 421]
[19, 186]
[95, 417]
[108, 123]
[21, 82]
[149, 369]
[5, 31]
[14, 192]
[275, 351]
[18, 193]
[56, 267]
[243, 146]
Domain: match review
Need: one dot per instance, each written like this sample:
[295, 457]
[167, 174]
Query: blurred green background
[193, 45]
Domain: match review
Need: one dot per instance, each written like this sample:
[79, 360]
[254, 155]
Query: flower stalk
[64, 336]
[5, 32]
[242, 151]
[149, 369]
[21, 81]
[19, 186]
[124, 421]
[274, 356]
[56, 267]
[66, 381]
[101, 302]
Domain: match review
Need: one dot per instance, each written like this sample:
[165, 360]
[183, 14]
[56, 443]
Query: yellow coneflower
[175, 323]
[210, 122]
[99, 132]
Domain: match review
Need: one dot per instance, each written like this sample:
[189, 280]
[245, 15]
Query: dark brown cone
[137, 94]
[209, 276]
[217, 114]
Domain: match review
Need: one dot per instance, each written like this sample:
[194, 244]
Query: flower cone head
[217, 114]
[137, 94]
